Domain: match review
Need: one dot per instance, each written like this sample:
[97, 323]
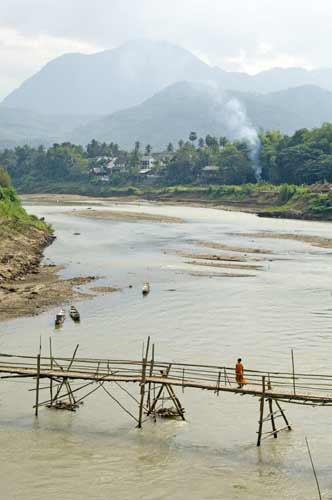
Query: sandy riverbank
[125, 216]
[317, 241]
[28, 288]
[64, 199]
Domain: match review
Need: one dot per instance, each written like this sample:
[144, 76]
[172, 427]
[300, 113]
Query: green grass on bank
[312, 201]
[13, 217]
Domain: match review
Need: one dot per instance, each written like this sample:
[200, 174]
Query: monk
[239, 374]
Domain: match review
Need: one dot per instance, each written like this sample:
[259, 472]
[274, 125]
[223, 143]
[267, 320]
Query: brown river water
[96, 453]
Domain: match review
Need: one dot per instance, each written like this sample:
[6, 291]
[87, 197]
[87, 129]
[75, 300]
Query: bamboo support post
[293, 371]
[68, 368]
[218, 384]
[314, 470]
[156, 398]
[176, 401]
[275, 434]
[261, 413]
[144, 363]
[118, 402]
[37, 385]
[283, 415]
[150, 374]
[51, 368]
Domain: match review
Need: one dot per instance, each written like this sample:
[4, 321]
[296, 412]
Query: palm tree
[201, 142]
[192, 137]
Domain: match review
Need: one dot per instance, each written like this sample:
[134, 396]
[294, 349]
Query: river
[96, 453]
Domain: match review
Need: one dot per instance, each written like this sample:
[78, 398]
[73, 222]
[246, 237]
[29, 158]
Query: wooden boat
[60, 317]
[74, 314]
[146, 288]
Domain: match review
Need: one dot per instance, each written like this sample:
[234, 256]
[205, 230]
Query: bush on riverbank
[13, 217]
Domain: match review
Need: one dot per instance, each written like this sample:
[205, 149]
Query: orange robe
[239, 374]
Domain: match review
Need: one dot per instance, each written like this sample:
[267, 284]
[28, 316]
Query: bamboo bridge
[158, 381]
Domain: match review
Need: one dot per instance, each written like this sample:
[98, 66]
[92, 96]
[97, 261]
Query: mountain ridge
[119, 78]
[184, 106]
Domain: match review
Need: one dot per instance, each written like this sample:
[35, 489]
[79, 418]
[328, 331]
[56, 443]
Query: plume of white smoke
[240, 127]
[230, 114]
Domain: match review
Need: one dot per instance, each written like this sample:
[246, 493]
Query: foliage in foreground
[13, 217]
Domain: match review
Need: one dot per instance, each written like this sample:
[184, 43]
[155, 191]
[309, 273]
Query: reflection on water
[97, 452]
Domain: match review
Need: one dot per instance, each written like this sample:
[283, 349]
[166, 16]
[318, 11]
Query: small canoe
[60, 317]
[74, 314]
[146, 288]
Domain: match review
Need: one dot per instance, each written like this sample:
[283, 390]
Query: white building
[147, 162]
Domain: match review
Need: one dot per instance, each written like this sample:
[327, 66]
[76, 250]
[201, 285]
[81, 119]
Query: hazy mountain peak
[123, 77]
[107, 81]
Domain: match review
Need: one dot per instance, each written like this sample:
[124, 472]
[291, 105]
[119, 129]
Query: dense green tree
[223, 141]
[235, 166]
[211, 141]
[303, 158]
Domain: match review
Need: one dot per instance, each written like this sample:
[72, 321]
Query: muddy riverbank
[27, 287]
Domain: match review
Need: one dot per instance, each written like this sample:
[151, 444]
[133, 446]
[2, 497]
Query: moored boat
[146, 288]
[60, 317]
[74, 314]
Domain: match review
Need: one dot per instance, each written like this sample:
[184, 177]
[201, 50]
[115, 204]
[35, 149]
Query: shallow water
[97, 453]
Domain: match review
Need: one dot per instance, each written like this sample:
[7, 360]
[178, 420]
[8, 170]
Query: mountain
[277, 79]
[307, 106]
[113, 80]
[107, 81]
[172, 113]
[20, 126]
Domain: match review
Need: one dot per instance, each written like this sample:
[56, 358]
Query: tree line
[302, 158]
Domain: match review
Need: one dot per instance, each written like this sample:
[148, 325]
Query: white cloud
[247, 35]
[23, 55]
[263, 59]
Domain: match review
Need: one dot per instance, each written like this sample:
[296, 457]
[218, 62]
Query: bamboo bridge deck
[156, 378]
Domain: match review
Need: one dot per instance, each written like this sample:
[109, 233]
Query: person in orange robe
[239, 373]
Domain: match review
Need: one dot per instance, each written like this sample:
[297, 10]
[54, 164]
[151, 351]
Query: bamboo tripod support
[272, 415]
[177, 405]
[151, 402]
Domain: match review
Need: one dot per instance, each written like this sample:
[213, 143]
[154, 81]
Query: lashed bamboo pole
[283, 414]
[293, 371]
[314, 470]
[275, 434]
[144, 363]
[51, 367]
[118, 402]
[261, 413]
[37, 385]
[156, 398]
[150, 373]
[176, 401]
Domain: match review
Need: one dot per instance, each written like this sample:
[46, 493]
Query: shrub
[4, 178]
[286, 192]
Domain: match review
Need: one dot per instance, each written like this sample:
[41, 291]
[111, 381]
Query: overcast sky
[240, 35]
